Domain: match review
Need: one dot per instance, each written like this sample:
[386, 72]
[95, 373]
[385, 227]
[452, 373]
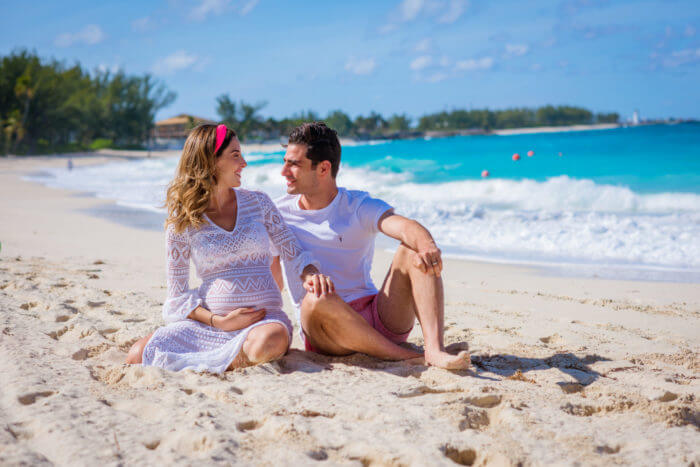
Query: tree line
[47, 106]
[250, 125]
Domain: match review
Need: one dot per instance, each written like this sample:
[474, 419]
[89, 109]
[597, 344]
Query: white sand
[568, 371]
[556, 129]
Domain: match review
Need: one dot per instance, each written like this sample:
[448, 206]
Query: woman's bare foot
[442, 359]
[241, 361]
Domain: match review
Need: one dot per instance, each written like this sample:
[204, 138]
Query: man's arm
[416, 237]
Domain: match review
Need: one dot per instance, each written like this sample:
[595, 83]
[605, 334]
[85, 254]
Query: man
[338, 227]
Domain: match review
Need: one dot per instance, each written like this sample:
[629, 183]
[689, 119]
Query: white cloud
[516, 50]
[441, 11]
[436, 77]
[247, 7]
[423, 46]
[177, 61]
[485, 63]
[682, 57]
[91, 34]
[421, 62]
[409, 9]
[141, 24]
[689, 31]
[455, 9]
[105, 68]
[360, 66]
[207, 7]
[444, 61]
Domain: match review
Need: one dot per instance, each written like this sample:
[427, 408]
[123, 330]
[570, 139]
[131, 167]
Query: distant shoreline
[271, 146]
[555, 129]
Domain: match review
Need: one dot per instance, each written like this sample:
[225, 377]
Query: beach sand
[566, 370]
[556, 129]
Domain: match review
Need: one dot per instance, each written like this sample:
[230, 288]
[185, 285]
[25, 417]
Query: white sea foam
[561, 220]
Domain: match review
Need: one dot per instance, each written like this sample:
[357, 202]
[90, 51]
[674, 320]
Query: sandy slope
[566, 370]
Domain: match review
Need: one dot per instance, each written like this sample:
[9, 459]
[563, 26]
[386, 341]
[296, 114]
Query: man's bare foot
[416, 361]
[442, 359]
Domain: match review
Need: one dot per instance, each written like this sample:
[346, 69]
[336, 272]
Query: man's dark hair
[321, 142]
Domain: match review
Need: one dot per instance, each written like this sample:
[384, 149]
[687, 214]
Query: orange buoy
[485, 173]
[516, 157]
[560, 154]
[530, 153]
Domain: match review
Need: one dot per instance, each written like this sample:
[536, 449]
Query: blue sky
[394, 56]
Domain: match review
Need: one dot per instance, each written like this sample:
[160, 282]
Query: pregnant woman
[235, 318]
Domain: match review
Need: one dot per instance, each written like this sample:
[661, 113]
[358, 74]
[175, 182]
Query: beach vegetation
[47, 106]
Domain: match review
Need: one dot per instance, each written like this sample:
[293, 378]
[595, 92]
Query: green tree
[399, 122]
[241, 116]
[340, 122]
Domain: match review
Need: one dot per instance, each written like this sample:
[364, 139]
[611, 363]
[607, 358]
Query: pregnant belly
[225, 294]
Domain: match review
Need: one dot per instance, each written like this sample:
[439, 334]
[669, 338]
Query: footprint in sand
[485, 402]
[89, 352]
[248, 425]
[319, 455]
[466, 456]
[605, 449]
[667, 397]
[18, 430]
[29, 399]
[474, 420]
[571, 388]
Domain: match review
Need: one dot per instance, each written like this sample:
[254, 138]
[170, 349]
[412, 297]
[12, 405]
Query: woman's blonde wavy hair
[189, 192]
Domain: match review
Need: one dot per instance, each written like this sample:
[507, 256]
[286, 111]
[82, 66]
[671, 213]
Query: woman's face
[230, 164]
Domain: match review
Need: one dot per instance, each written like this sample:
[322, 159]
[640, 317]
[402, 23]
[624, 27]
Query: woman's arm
[237, 319]
[181, 300]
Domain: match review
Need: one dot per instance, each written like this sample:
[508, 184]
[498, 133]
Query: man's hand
[316, 283]
[428, 259]
[238, 319]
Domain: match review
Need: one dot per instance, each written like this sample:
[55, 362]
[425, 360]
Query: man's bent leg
[334, 328]
[408, 293]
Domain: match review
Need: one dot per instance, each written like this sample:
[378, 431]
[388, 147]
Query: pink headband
[220, 136]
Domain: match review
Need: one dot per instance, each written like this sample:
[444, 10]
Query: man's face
[301, 177]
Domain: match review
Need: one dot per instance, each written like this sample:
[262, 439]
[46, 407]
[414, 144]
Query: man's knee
[404, 256]
[313, 307]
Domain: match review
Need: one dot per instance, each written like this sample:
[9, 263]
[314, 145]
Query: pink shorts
[367, 308]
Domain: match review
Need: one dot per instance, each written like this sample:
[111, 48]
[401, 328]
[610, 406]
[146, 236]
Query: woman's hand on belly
[238, 319]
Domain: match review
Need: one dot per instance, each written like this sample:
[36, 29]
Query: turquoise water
[646, 159]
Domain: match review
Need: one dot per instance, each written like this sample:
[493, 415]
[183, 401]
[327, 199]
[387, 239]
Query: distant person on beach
[235, 318]
[339, 226]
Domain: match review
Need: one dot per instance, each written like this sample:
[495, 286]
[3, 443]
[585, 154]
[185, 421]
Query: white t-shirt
[340, 236]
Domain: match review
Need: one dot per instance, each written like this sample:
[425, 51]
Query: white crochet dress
[235, 271]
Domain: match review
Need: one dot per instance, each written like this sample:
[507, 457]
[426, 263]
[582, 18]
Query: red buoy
[530, 153]
[560, 154]
[516, 157]
[485, 173]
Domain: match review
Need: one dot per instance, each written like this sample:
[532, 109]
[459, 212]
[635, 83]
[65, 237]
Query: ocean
[621, 203]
